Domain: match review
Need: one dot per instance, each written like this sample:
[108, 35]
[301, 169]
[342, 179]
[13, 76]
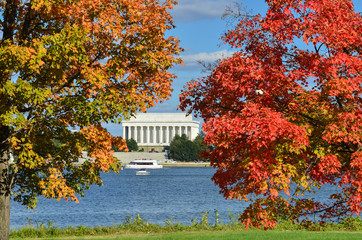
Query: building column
[177, 131]
[161, 134]
[172, 132]
[141, 134]
[154, 134]
[167, 135]
[131, 132]
[136, 134]
[147, 134]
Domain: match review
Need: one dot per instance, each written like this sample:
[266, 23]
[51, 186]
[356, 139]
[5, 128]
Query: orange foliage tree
[284, 112]
[74, 64]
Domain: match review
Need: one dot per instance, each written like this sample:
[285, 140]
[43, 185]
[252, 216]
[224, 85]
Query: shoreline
[161, 158]
[177, 164]
[186, 164]
[286, 229]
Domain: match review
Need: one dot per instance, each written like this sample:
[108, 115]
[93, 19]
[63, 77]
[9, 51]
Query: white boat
[142, 172]
[143, 164]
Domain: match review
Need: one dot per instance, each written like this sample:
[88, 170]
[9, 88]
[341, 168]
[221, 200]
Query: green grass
[229, 235]
[200, 228]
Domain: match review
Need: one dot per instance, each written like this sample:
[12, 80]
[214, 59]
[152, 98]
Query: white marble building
[156, 130]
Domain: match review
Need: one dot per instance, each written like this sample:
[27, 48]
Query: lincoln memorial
[156, 130]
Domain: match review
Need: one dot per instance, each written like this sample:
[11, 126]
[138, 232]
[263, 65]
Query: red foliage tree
[284, 112]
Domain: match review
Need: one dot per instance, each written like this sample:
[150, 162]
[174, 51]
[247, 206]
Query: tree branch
[9, 19]
[27, 23]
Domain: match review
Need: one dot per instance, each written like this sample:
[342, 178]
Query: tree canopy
[132, 144]
[74, 64]
[183, 149]
[199, 141]
[284, 112]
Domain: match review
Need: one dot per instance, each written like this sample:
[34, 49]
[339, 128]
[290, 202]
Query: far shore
[186, 164]
[177, 164]
[160, 157]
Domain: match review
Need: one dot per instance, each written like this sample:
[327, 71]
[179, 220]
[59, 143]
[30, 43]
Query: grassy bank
[229, 235]
[200, 228]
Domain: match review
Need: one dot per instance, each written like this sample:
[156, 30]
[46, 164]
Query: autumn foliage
[284, 112]
[75, 65]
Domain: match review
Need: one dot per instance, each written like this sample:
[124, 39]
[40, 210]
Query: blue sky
[199, 26]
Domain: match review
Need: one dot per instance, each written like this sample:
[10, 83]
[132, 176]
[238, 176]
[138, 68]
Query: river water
[181, 193]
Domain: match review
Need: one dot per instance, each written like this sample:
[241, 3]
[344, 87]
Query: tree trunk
[4, 216]
[8, 23]
[4, 183]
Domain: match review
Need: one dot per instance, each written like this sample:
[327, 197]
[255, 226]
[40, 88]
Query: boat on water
[143, 164]
[142, 172]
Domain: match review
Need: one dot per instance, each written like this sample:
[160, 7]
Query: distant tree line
[132, 145]
[183, 149]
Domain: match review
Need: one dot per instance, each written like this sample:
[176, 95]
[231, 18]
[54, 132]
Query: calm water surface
[181, 193]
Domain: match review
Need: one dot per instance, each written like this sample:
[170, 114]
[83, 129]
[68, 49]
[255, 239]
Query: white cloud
[191, 10]
[194, 59]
